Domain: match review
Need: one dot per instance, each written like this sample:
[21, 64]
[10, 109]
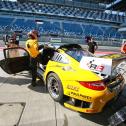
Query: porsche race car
[80, 89]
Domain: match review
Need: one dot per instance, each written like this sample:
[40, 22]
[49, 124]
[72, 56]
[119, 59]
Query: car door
[15, 60]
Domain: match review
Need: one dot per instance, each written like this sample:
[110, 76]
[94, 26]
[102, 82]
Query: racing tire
[54, 86]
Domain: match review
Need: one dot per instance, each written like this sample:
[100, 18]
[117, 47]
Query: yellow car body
[80, 89]
[83, 99]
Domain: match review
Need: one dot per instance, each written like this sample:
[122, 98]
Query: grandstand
[64, 18]
[119, 6]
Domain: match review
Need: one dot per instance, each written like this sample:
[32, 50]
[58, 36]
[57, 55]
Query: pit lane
[40, 109]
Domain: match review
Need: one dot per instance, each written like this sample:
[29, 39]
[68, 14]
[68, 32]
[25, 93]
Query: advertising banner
[55, 40]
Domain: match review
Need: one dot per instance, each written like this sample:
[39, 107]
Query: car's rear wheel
[54, 87]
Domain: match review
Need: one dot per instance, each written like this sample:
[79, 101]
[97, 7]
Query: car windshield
[77, 54]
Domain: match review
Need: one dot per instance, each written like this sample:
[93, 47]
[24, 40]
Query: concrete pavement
[38, 108]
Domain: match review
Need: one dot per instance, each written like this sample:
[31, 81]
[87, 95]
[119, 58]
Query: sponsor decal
[93, 66]
[99, 65]
[79, 95]
[71, 87]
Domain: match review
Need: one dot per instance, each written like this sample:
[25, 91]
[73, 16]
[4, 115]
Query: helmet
[33, 34]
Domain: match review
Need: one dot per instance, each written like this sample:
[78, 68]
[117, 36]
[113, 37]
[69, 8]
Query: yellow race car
[80, 89]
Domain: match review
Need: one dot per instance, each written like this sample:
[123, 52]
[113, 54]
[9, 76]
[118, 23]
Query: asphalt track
[24, 105]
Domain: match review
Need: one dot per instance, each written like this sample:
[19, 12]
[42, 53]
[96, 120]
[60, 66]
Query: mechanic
[16, 38]
[33, 50]
[11, 44]
[11, 41]
[123, 48]
[92, 45]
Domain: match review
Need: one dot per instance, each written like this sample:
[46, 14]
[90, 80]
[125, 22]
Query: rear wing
[116, 58]
[117, 61]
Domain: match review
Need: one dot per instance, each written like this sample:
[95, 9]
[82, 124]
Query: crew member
[16, 38]
[35, 56]
[92, 45]
[11, 44]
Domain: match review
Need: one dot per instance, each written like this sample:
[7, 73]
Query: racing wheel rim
[53, 87]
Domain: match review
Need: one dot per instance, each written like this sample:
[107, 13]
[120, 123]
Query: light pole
[38, 23]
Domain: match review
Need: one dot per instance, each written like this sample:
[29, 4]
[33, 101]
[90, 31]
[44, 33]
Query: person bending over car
[33, 50]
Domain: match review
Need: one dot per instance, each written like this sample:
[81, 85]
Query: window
[77, 54]
[15, 52]
[60, 58]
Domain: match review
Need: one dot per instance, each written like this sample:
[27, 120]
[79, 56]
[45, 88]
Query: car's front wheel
[54, 87]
